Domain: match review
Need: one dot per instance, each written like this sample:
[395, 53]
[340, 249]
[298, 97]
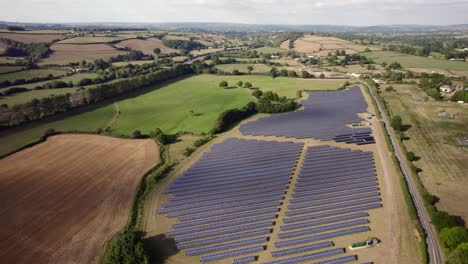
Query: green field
[88, 121]
[411, 61]
[7, 69]
[257, 68]
[37, 94]
[124, 63]
[282, 85]
[28, 74]
[271, 50]
[168, 107]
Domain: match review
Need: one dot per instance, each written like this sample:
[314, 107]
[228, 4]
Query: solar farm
[280, 201]
[325, 116]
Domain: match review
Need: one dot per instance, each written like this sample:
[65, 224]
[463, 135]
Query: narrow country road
[433, 246]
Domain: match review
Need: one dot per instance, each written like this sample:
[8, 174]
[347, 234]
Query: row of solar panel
[217, 225]
[323, 221]
[309, 217]
[240, 243]
[308, 257]
[301, 249]
[313, 238]
[245, 260]
[229, 217]
[232, 253]
[222, 239]
[179, 206]
[321, 229]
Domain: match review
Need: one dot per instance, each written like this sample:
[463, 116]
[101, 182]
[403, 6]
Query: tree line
[40, 108]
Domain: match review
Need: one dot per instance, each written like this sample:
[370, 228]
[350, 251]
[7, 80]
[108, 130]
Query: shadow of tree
[160, 248]
[405, 128]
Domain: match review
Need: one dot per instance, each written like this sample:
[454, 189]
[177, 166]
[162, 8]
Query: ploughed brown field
[146, 46]
[61, 200]
[66, 53]
[29, 38]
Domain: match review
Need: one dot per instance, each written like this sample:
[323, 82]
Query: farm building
[447, 89]
[462, 141]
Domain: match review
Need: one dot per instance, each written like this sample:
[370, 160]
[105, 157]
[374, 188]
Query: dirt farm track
[63, 199]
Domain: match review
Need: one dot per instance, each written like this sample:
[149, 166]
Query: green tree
[454, 236]
[250, 69]
[322, 76]
[126, 248]
[410, 156]
[442, 219]
[137, 134]
[247, 85]
[236, 72]
[239, 84]
[223, 84]
[292, 74]
[157, 51]
[257, 94]
[396, 123]
[305, 74]
[283, 73]
[459, 255]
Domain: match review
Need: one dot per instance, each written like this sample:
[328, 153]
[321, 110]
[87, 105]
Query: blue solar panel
[308, 239]
[311, 256]
[244, 260]
[325, 117]
[331, 213]
[231, 253]
[320, 229]
[340, 260]
[222, 239]
[323, 221]
[229, 245]
[301, 249]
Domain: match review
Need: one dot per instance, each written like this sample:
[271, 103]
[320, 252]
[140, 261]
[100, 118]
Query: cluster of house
[80, 69]
[452, 88]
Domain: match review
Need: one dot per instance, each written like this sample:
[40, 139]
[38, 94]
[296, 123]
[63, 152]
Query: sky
[328, 12]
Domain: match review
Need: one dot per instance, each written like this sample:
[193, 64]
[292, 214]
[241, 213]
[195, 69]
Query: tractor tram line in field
[279, 202]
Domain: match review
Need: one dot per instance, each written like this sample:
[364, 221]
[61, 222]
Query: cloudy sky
[331, 12]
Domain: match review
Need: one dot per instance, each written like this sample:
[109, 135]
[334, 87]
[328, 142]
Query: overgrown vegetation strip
[433, 247]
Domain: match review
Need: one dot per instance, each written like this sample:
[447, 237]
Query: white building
[447, 89]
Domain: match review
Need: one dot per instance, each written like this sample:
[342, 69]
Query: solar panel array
[325, 117]
[334, 189]
[227, 202]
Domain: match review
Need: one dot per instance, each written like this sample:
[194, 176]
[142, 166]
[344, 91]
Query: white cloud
[349, 12]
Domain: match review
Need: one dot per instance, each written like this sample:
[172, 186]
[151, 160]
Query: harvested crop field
[90, 40]
[63, 199]
[306, 46]
[66, 53]
[29, 38]
[146, 45]
[3, 46]
[323, 45]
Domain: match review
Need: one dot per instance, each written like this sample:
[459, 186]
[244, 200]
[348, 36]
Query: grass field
[30, 38]
[204, 51]
[7, 69]
[283, 86]
[10, 60]
[68, 196]
[271, 50]
[443, 163]
[66, 53]
[89, 40]
[257, 68]
[168, 107]
[411, 61]
[22, 98]
[28, 74]
[146, 46]
[123, 63]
